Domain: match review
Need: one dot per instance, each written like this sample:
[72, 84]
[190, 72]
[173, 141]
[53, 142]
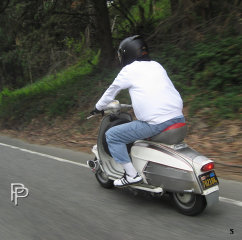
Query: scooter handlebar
[106, 110]
[126, 106]
[91, 116]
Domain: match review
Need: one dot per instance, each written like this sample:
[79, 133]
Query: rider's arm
[120, 82]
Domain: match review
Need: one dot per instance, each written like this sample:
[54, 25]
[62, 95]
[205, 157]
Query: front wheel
[188, 203]
[103, 179]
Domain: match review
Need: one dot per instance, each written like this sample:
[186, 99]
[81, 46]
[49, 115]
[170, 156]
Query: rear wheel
[189, 203]
[103, 179]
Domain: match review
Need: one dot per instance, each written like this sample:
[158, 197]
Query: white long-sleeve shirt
[153, 95]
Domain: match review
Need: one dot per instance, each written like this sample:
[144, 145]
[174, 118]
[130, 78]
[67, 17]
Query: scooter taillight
[208, 167]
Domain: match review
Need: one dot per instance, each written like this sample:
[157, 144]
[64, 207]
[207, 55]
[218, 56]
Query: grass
[207, 76]
[53, 95]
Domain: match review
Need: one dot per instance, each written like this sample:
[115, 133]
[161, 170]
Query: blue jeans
[118, 136]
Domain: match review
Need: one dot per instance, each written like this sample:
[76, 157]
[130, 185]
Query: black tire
[103, 179]
[188, 203]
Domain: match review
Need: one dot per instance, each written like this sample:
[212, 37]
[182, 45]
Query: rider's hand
[96, 111]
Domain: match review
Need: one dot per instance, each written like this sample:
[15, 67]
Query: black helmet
[131, 49]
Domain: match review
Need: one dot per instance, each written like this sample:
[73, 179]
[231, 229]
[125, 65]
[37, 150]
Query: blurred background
[58, 56]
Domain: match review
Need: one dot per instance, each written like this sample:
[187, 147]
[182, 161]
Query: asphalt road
[66, 202]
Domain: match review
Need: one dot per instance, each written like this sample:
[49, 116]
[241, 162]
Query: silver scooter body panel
[171, 168]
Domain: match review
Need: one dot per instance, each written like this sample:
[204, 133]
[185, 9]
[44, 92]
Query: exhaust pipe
[93, 164]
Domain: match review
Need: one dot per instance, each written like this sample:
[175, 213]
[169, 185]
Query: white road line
[231, 201]
[221, 199]
[44, 155]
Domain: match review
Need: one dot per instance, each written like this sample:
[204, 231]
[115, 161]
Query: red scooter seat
[174, 134]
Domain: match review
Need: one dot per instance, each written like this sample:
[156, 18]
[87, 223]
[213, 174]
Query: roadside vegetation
[202, 55]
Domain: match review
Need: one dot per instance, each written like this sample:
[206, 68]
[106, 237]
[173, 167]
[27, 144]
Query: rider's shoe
[126, 180]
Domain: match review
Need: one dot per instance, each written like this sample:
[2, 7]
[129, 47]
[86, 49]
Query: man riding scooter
[156, 103]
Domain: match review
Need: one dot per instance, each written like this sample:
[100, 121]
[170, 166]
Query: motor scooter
[165, 162]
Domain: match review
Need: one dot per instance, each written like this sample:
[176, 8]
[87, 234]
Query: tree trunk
[104, 37]
[174, 6]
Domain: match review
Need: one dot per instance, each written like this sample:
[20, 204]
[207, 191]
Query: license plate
[208, 180]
